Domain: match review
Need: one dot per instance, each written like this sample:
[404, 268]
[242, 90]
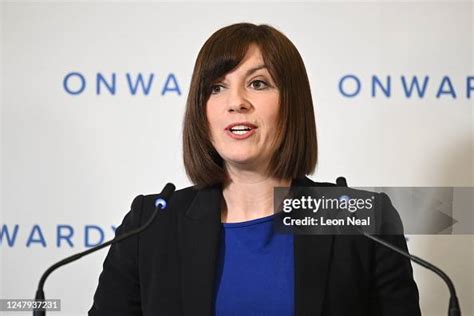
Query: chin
[240, 158]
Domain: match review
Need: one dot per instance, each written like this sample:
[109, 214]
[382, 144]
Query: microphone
[453, 309]
[341, 182]
[160, 203]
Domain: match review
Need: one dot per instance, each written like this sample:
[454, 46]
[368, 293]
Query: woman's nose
[238, 101]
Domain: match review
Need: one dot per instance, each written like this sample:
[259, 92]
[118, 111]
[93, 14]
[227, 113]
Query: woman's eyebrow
[254, 69]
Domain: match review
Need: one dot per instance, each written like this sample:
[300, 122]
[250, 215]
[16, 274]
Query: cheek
[210, 113]
[272, 114]
[212, 118]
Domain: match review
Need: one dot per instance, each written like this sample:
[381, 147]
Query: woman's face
[242, 112]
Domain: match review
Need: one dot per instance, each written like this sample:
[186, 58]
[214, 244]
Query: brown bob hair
[296, 149]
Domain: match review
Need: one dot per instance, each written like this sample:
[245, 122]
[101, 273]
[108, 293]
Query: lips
[240, 130]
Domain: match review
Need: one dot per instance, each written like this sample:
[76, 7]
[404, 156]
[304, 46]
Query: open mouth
[240, 130]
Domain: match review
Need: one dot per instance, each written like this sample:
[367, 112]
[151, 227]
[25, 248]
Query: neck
[248, 195]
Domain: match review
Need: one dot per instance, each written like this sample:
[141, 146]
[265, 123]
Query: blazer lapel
[312, 254]
[199, 242]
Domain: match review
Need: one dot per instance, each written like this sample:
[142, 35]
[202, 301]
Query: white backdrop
[73, 161]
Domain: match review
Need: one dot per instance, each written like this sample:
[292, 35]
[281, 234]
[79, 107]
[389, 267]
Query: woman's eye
[259, 84]
[215, 89]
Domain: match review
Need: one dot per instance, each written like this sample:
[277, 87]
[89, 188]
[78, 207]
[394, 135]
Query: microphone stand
[453, 309]
[160, 204]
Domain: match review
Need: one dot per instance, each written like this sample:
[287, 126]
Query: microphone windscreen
[167, 191]
[164, 196]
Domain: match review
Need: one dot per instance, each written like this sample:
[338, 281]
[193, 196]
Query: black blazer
[170, 268]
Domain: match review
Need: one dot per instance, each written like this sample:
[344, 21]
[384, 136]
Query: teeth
[240, 127]
[239, 132]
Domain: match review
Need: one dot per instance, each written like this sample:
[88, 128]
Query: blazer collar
[199, 249]
[206, 203]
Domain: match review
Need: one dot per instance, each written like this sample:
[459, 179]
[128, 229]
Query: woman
[249, 127]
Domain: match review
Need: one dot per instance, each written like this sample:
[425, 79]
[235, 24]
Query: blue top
[255, 274]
